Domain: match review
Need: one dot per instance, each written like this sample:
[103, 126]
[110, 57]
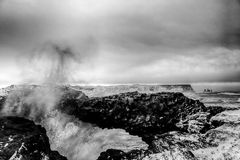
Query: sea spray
[50, 63]
[33, 102]
[73, 138]
[82, 141]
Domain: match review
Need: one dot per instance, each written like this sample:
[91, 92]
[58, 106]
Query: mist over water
[51, 64]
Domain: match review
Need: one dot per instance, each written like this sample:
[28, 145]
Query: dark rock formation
[171, 140]
[213, 110]
[217, 143]
[112, 154]
[139, 114]
[168, 146]
[71, 99]
[2, 101]
[150, 116]
[21, 139]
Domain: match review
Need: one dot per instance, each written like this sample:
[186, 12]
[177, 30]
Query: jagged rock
[2, 101]
[225, 143]
[195, 123]
[224, 139]
[150, 116]
[229, 116]
[175, 145]
[112, 154]
[139, 114]
[170, 140]
[214, 110]
[70, 100]
[135, 112]
[168, 146]
[174, 154]
[21, 139]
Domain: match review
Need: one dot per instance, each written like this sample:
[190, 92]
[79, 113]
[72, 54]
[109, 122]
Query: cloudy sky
[120, 41]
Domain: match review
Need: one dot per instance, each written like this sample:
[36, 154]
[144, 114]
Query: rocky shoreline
[163, 120]
[141, 114]
[173, 126]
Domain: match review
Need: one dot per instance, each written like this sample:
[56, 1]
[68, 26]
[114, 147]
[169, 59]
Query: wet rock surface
[2, 101]
[112, 154]
[21, 139]
[169, 146]
[224, 142]
[142, 114]
[174, 126]
[152, 117]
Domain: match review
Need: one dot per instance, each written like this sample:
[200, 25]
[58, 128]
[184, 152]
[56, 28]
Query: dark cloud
[156, 26]
[231, 24]
[115, 39]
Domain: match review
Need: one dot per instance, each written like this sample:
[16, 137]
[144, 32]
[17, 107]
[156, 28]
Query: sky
[119, 41]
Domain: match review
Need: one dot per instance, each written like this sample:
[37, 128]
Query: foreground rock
[219, 143]
[225, 144]
[224, 139]
[170, 123]
[112, 154]
[228, 116]
[169, 146]
[21, 139]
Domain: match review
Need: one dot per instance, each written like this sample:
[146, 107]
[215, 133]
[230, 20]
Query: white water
[81, 141]
[71, 137]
